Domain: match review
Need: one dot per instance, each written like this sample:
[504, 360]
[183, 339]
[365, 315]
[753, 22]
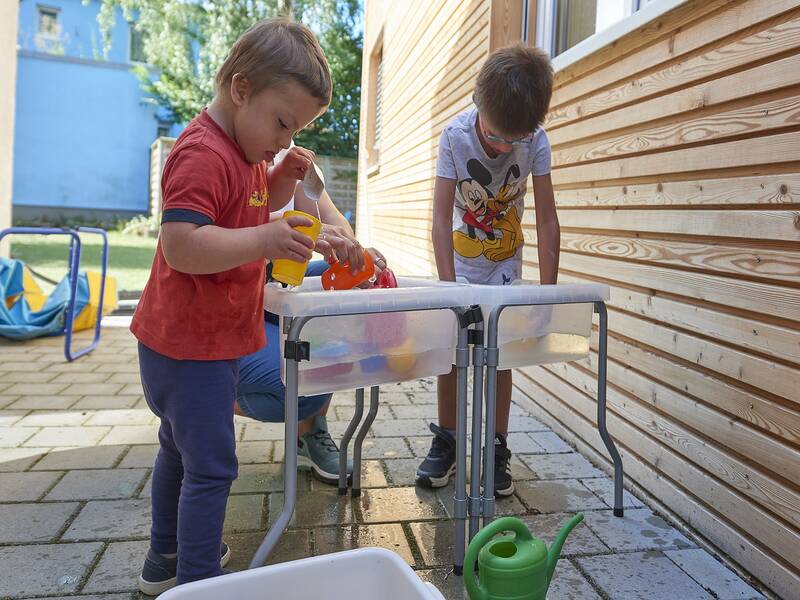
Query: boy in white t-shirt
[485, 156]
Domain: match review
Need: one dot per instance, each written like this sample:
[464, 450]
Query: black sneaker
[440, 464]
[503, 484]
[159, 572]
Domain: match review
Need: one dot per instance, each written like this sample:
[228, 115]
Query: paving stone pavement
[77, 444]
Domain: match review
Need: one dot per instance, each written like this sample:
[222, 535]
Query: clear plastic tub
[556, 329]
[363, 574]
[410, 337]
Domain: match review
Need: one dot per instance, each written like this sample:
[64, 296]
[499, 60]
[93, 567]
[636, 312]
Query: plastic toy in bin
[329, 371]
[339, 277]
[401, 359]
[332, 352]
[386, 280]
[386, 330]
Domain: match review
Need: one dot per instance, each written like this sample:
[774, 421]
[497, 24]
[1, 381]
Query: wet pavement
[77, 443]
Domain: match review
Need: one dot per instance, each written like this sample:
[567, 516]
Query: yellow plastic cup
[291, 272]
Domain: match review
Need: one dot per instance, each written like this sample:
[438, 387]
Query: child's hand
[336, 243]
[295, 163]
[282, 241]
[379, 260]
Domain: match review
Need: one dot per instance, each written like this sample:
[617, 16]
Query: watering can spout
[554, 553]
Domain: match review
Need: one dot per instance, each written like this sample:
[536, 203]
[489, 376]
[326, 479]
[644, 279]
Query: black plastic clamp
[296, 350]
[472, 315]
[475, 337]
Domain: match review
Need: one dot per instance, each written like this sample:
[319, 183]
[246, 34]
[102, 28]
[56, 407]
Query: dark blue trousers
[196, 463]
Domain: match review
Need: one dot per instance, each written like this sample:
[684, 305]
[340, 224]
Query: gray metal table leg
[475, 499]
[492, 359]
[348, 434]
[602, 370]
[460, 496]
[289, 449]
[362, 433]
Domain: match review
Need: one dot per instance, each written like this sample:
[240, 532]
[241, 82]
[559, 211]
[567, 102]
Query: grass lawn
[129, 256]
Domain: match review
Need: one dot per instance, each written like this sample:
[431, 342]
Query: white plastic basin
[363, 574]
[556, 328]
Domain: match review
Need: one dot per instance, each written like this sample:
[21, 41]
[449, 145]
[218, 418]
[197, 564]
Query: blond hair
[274, 51]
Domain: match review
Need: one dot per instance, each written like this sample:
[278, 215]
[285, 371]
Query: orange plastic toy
[339, 277]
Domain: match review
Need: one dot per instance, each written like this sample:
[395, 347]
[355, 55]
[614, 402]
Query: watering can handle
[479, 541]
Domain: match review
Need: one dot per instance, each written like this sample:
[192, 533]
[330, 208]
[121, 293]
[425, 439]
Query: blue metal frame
[74, 270]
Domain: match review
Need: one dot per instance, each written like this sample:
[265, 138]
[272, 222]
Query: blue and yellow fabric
[27, 312]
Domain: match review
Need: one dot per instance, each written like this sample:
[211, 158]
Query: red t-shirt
[206, 181]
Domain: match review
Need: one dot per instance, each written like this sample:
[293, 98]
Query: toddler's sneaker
[317, 451]
[440, 464]
[159, 572]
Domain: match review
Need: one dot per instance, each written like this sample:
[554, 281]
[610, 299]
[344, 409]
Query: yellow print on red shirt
[258, 198]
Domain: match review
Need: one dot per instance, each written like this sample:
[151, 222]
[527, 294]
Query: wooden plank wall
[432, 52]
[677, 167]
[676, 156]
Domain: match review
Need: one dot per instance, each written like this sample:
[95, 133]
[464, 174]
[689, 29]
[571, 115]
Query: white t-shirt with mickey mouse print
[489, 199]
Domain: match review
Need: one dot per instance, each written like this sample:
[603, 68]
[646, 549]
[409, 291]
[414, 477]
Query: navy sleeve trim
[184, 215]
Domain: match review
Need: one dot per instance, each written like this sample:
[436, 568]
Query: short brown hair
[276, 50]
[514, 87]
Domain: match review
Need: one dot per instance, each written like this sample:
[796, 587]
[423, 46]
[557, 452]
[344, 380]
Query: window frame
[163, 126]
[41, 10]
[131, 32]
[379, 79]
[376, 59]
[638, 13]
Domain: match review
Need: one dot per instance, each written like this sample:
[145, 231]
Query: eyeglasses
[499, 140]
[518, 142]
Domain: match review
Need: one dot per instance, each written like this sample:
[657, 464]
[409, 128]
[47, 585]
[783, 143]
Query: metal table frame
[295, 351]
[492, 356]
[478, 505]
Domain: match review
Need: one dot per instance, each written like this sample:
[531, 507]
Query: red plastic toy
[386, 280]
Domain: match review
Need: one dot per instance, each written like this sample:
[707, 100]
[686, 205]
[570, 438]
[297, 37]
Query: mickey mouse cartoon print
[491, 224]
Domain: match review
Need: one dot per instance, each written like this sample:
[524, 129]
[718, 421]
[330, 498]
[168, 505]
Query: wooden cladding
[676, 164]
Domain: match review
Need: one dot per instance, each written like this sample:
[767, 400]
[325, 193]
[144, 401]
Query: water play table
[341, 340]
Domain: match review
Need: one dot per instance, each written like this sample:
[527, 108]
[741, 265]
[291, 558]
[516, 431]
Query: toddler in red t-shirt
[202, 307]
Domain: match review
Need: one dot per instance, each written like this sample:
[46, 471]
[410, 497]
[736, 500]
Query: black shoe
[440, 464]
[503, 484]
[159, 572]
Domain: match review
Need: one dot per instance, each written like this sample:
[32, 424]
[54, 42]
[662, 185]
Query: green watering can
[517, 567]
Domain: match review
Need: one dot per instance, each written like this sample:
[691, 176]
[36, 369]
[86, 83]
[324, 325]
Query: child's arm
[444, 192]
[202, 250]
[548, 231]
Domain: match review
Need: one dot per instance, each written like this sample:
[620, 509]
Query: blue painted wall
[83, 124]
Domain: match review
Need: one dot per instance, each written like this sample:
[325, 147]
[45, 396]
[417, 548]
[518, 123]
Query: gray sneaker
[317, 451]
